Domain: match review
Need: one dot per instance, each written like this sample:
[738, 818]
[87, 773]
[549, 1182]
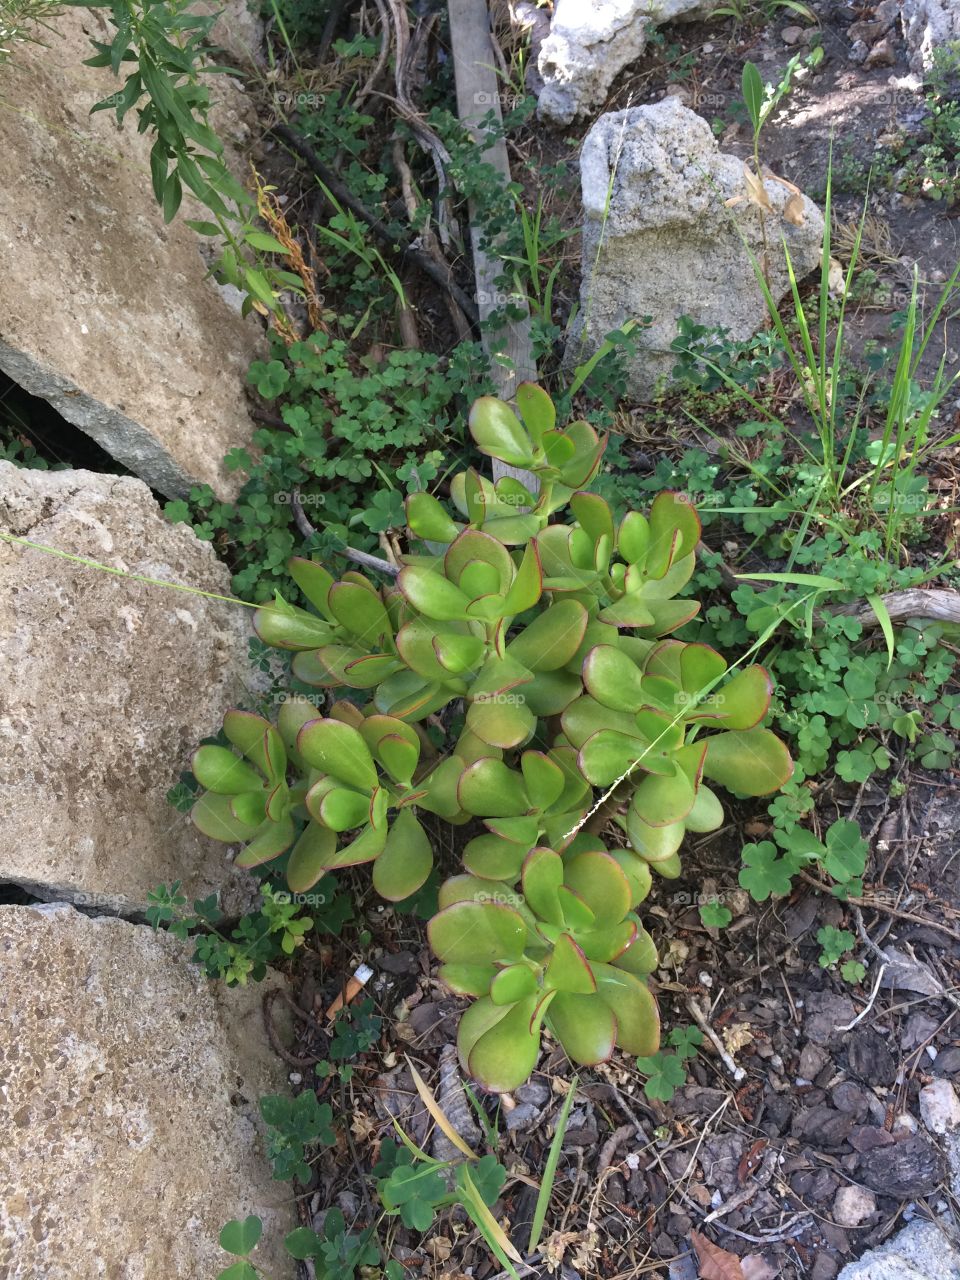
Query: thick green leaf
[494, 858]
[552, 638]
[542, 877]
[654, 844]
[514, 983]
[489, 789]
[310, 857]
[662, 800]
[613, 678]
[543, 778]
[314, 581]
[292, 628]
[429, 519]
[432, 594]
[707, 811]
[223, 773]
[477, 933]
[406, 861]
[360, 611]
[753, 762]
[342, 809]
[585, 1026]
[674, 532]
[214, 816]
[271, 840]
[499, 433]
[637, 1016]
[537, 410]
[608, 755]
[338, 750]
[598, 880]
[743, 701]
[633, 537]
[568, 969]
[499, 1045]
[502, 720]
[468, 979]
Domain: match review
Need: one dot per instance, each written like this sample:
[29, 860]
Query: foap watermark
[715, 899]
[488, 298]
[312, 899]
[100, 901]
[500, 699]
[510, 101]
[305, 499]
[299, 100]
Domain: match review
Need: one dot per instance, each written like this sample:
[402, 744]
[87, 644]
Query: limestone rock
[927, 25]
[920, 1251]
[590, 44]
[238, 31]
[659, 241]
[128, 1105]
[104, 311]
[106, 686]
[852, 1205]
[940, 1107]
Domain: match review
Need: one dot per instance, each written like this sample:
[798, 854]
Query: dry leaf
[793, 211]
[584, 1259]
[756, 191]
[736, 1036]
[715, 1263]
[439, 1248]
[836, 280]
[555, 1246]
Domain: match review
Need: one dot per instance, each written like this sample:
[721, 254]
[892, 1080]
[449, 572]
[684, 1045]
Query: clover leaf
[686, 1041]
[666, 1074]
[845, 858]
[765, 873]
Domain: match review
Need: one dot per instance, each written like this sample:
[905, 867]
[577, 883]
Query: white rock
[853, 1205]
[129, 342]
[129, 1108]
[928, 24]
[106, 687]
[920, 1252]
[940, 1106]
[660, 241]
[589, 44]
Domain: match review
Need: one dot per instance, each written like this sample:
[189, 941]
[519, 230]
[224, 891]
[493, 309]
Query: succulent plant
[540, 653]
[567, 951]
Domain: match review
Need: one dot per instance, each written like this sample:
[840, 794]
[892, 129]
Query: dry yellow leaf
[756, 191]
[793, 211]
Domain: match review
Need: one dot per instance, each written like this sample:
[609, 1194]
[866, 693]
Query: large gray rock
[106, 685]
[921, 1251]
[128, 1104]
[590, 44]
[104, 310]
[660, 240]
[929, 25]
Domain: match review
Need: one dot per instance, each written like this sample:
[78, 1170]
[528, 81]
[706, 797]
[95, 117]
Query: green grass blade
[550, 1170]
[886, 624]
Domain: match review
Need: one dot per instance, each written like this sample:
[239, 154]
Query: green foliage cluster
[354, 436]
[514, 666]
[165, 45]
[257, 940]
[921, 160]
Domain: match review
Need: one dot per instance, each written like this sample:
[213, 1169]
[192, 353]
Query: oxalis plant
[518, 670]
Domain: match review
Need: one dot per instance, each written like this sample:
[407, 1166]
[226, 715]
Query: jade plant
[517, 668]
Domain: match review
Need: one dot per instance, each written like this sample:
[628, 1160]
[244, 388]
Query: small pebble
[853, 1205]
[940, 1106]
